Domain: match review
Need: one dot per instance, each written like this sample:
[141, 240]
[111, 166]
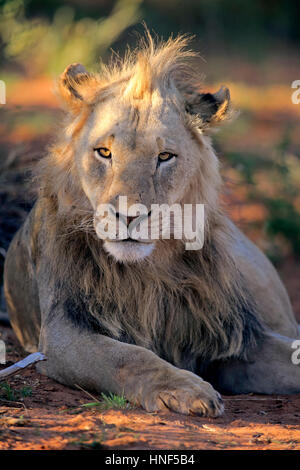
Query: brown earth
[53, 417]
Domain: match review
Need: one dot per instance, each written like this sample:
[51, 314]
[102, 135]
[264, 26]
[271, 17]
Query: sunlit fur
[180, 304]
[128, 252]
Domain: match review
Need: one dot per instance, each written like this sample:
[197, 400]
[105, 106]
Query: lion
[166, 327]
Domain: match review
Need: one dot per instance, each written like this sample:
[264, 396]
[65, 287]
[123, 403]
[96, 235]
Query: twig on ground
[21, 365]
[11, 404]
[87, 393]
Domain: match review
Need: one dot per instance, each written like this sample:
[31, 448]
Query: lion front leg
[274, 368]
[99, 363]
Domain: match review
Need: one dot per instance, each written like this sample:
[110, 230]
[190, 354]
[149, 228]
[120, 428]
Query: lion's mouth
[129, 240]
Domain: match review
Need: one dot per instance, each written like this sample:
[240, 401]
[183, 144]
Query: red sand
[52, 418]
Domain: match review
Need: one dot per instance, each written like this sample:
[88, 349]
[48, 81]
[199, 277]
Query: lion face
[141, 140]
[143, 153]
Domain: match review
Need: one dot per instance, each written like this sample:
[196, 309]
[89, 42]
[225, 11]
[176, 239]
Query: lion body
[72, 295]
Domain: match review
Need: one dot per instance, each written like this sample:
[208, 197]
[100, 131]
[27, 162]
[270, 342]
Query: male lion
[145, 318]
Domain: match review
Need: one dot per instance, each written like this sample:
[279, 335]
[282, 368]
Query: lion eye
[166, 156]
[103, 152]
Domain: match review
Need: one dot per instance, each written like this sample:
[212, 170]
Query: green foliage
[26, 392]
[43, 46]
[7, 392]
[114, 401]
[109, 401]
[11, 394]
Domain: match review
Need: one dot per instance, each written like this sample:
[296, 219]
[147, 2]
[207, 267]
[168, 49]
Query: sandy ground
[53, 417]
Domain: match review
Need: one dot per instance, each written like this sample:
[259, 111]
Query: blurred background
[251, 46]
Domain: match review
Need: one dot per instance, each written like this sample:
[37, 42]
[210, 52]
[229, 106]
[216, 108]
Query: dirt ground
[53, 417]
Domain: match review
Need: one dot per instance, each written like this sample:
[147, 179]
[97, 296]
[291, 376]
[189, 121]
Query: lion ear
[76, 87]
[212, 108]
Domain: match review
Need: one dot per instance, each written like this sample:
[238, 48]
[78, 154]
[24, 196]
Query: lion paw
[188, 394]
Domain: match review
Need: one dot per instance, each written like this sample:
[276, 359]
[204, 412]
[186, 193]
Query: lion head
[137, 129]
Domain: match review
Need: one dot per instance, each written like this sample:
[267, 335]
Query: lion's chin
[128, 252]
